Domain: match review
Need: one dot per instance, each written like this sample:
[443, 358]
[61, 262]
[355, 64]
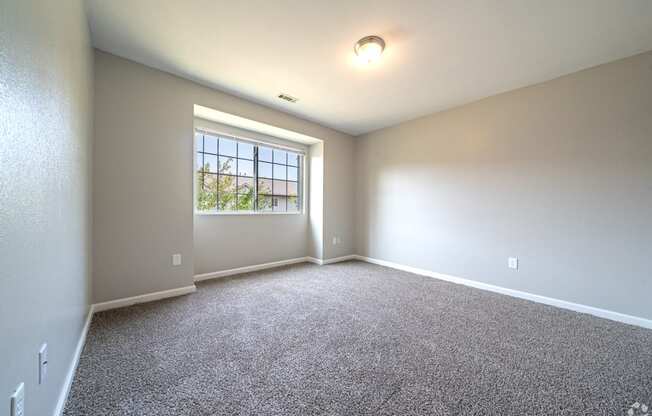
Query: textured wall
[144, 131]
[558, 174]
[45, 133]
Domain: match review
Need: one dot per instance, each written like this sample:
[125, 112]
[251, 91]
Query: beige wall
[45, 133]
[143, 210]
[316, 201]
[558, 174]
[223, 242]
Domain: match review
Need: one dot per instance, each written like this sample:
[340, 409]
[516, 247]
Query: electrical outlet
[334, 241]
[512, 263]
[18, 401]
[176, 259]
[42, 363]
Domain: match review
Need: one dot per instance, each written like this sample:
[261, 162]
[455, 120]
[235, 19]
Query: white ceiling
[440, 53]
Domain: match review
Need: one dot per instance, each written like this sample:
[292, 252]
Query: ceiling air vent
[287, 98]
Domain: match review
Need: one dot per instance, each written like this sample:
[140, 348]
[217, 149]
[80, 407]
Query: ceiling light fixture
[369, 48]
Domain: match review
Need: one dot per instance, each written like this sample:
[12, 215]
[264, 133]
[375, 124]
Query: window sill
[245, 213]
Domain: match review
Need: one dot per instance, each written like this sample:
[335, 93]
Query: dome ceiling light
[369, 48]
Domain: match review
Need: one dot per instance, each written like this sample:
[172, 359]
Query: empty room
[420, 207]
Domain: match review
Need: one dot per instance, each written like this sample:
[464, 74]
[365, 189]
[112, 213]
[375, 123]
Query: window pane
[210, 182]
[264, 170]
[226, 201]
[199, 142]
[264, 203]
[293, 204]
[210, 163]
[280, 203]
[199, 181]
[280, 156]
[199, 162]
[292, 188]
[246, 202]
[206, 201]
[279, 172]
[246, 150]
[210, 144]
[227, 147]
[227, 165]
[245, 167]
[245, 185]
[293, 173]
[264, 186]
[293, 159]
[206, 192]
[264, 153]
[280, 188]
[227, 184]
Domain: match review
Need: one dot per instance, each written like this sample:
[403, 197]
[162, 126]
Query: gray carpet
[356, 339]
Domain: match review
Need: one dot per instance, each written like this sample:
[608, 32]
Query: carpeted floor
[356, 339]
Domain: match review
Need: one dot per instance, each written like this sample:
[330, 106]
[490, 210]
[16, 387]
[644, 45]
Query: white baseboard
[314, 260]
[263, 266]
[67, 384]
[601, 313]
[339, 259]
[148, 297]
[247, 269]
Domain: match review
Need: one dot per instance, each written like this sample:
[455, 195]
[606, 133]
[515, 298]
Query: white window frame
[301, 187]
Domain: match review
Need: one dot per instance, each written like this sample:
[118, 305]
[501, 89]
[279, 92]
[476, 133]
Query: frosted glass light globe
[369, 48]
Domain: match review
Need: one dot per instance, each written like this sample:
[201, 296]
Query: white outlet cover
[18, 401]
[176, 259]
[334, 240]
[512, 262]
[42, 363]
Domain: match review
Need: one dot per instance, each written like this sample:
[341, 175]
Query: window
[234, 175]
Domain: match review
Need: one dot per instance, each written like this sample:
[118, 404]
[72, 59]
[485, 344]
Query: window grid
[279, 185]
